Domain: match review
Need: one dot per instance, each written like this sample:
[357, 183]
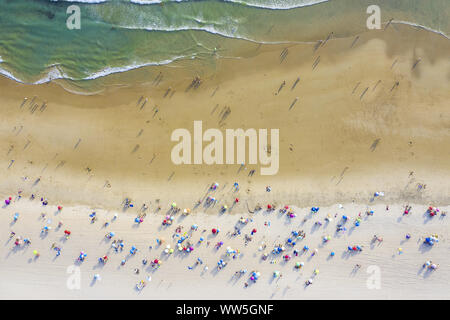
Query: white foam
[111, 70]
[9, 75]
[422, 27]
[152, 1]
[210, 29]
[81, 1]
[278, 5]
[55, 73]
[268, 4]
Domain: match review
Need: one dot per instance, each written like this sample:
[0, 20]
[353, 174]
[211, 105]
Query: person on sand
[407, 210]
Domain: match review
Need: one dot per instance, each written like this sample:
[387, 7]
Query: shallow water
[116, 36]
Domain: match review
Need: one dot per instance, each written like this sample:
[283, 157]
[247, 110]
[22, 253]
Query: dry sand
[352, 132]
[401, 276]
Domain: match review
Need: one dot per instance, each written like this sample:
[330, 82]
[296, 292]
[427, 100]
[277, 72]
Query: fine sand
[384, 273]
[372, 114]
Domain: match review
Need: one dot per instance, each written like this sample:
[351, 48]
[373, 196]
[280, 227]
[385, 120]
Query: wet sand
[370, 115]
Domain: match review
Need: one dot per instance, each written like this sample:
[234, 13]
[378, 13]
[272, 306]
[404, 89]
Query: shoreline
[98, 75]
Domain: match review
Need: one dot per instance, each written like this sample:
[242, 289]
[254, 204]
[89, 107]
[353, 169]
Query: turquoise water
[115, 36]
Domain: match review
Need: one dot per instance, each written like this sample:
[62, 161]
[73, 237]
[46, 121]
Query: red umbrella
[214, 230]
[269, 206]
[236, 200]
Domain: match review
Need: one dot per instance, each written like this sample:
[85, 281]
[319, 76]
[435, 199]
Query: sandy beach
[369, 113]
[401, 275]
